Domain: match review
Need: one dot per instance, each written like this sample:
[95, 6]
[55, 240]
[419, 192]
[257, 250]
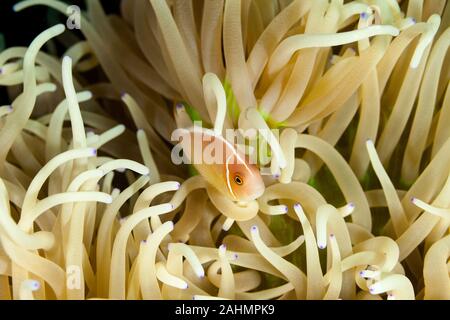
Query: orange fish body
[221, 165]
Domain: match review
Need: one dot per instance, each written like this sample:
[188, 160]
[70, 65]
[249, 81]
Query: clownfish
[221, 164]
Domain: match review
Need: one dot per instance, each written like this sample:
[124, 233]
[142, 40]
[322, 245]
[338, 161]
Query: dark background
[20, 28]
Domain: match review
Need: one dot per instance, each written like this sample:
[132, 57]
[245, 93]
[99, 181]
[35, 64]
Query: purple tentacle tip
[122, 94]
[363, 15]
[254, 228]
[179, 106]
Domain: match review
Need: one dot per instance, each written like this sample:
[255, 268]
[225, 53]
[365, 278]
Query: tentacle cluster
[356, 205]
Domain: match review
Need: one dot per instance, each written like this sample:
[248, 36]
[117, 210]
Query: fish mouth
[260, 191]
[256, 193]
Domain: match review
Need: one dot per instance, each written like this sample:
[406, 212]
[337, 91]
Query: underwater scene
[225, 149]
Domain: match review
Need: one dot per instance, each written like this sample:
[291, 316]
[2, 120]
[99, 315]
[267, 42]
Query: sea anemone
[344, 107]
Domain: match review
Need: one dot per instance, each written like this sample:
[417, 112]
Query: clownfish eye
[238, 180]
